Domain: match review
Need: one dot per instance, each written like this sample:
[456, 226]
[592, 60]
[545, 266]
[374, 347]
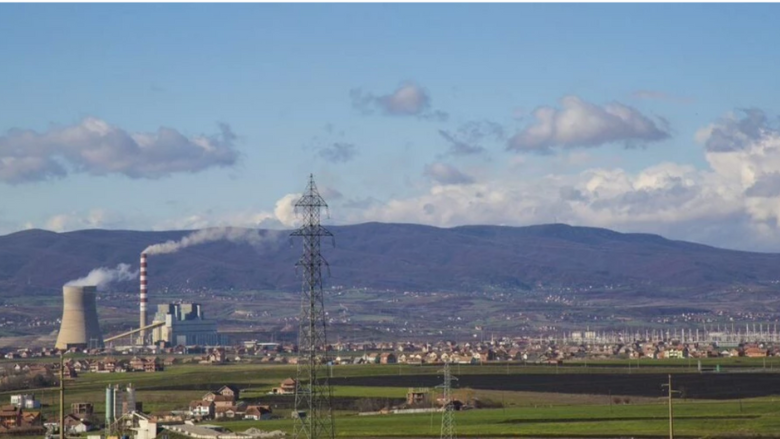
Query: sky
[655, 118]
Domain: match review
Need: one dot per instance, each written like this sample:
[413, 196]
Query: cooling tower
[80, 326]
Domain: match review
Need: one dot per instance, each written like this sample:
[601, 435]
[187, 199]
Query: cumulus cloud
[743, 149]
[676, 201]
[766, 186]
[443, 173]
[77, 220]
[329, 193]
[360, 203]
[97, 148]
[338, 152]
[469, 137]
[733, 202]
[731, 134]
[409, 99]
[581, 124]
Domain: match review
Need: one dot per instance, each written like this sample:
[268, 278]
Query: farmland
[604, 399]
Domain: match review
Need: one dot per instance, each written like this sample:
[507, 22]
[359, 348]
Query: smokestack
[143, 298]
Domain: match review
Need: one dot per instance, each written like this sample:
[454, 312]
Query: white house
[25, 401]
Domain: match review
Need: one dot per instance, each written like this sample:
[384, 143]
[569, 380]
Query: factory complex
[173, 324]
[185, 325]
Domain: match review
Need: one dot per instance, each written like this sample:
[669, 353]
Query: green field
[520, 413]
[694, 419]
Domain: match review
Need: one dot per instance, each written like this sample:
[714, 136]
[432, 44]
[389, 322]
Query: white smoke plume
[101, 277]
[252, 237]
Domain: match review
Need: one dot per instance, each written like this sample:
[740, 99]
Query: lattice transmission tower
[448, 416]
[313, 413]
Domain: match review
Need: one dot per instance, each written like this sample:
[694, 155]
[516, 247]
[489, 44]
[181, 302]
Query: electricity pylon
[313, 415]
[448, 416]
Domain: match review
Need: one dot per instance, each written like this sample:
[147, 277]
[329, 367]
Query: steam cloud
[248, 236]
[100, 277]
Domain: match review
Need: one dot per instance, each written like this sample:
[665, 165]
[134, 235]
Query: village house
[10, 416]
[257, 412]
[153, 365]
[388, 358]
[202, 409]
[69, 372]
[222, 401]
[82, 409]
[217, 356]
[75, 425]
[231, 411]
[32, 419]
[755, 352]
[137, 364]
[417, 395]
[231, 391]
[287, 387]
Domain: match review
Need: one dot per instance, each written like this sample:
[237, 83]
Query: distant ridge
[393, 256]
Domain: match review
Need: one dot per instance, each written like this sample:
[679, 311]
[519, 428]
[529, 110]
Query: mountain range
[399, 257]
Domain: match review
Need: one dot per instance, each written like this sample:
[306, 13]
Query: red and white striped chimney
[143, 298]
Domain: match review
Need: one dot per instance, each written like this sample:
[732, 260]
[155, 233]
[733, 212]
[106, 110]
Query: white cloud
[674, 200]
[445, 174]
[409, 99]
[97, 148]
[469, 138]
[735, 202]
[285, 210]
[338, 152]
[582, 124]
[656, 95]
[92, 219]
[329, 193]
[745, 153]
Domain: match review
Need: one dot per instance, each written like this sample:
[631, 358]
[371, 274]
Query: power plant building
[185, 325]
[79, 327]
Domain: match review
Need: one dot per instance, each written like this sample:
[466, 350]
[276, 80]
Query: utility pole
[62, 395]
[448, 417]
[313, 414]
[671, 409]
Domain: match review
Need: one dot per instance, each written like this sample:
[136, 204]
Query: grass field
[693, 419]
[535, 412]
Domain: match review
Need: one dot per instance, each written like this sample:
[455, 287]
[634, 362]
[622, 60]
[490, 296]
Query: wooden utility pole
[62, 396]
[671, 409]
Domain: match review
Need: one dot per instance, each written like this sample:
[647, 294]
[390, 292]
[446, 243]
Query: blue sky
[655, 118]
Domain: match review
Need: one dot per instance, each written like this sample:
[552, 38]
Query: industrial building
[185, 325]
[120, 403]
[80, 327]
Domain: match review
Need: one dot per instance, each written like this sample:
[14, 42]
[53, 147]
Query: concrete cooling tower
[80, 326]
